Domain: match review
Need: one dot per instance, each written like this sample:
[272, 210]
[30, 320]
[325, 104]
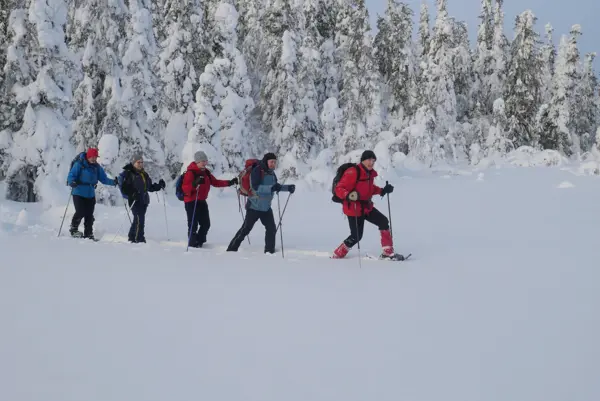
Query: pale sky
[561, 15]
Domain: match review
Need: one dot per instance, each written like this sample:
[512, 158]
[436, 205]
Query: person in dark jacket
[135, 185]
[196, 186]
[258, 206]
[357, 188]
[83, 178]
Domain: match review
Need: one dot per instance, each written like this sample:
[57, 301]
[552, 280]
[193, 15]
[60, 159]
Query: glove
[116, 182]
[198, 181]
[276, 187]
[353, 196]
[388, 189]
[74, 184]
[291, 188]
[233, 181]
[162, 184]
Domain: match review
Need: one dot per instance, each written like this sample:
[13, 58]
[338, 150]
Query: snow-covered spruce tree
[586, 113]
[438, 79]
[547, 58]
[328, 77]
[423, 32]
[309, 72]
[462, 69]
[497, 142]
[500, 49]
[97, 34]
[394, 55]
[6, 6]
[482, 63]
[180, 62]
[359, 93]
[522, 90]
[139, 101]
[252, 44]
[237, 102]
[555, 121]
[38, 69]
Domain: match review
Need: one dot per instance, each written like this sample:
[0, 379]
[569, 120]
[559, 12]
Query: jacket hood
[194, 167]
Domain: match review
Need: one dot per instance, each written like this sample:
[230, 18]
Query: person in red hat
[83, 178]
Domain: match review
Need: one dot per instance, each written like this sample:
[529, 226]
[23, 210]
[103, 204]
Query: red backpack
[244, 177]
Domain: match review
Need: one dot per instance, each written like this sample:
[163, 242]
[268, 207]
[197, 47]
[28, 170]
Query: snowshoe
[76, 234]
[396, 257]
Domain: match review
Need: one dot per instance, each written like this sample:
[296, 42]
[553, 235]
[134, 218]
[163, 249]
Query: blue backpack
[78, 159]
[121, 180]
[178, 187]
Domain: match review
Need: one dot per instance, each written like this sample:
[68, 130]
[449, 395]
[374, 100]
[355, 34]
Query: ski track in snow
[498, 302]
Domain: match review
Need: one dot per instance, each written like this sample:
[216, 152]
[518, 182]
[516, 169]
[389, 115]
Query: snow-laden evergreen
[42, 86]
[180, 62]
[548, 56]
[523, 89]
[97, 36]
[140, 98]
[223, 100]
[556, 120]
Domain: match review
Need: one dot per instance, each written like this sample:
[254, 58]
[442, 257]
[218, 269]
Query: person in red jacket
[196, 185]
[356, 188]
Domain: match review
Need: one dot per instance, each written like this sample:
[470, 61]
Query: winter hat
[368, 154]
[269, 156]
[200, 156]
[91, 152]
[137, 156]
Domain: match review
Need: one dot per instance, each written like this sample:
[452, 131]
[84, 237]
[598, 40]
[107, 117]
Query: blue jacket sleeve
[74, 173]
[103, 178]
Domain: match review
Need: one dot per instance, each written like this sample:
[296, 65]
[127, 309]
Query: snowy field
[500, 301]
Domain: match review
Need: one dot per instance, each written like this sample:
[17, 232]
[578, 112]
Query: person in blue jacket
[264, 183]
[83, 178]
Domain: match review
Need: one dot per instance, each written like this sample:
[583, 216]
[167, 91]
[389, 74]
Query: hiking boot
[340, 252]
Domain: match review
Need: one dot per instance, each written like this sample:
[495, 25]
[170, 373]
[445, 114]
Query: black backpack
[78, 159]
[338, 176]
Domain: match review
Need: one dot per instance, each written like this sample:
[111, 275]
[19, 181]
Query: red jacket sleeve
[217, 183]
[186, 185]
[376, 190]
[347, 183]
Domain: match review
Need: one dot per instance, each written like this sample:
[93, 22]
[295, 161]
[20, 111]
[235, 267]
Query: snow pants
[84, 209]
[138, 224]
[252, 216]
[198, 222]
[357, 225]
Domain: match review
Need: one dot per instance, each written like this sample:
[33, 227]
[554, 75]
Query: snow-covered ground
[499, 302]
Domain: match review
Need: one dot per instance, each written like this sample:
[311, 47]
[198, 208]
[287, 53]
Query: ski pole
[242, 211]
[121, 227]
[127, 211]
[280, 232]
[390, 213]
[284, 207]
[193, 217]
[358, 238]
[166, 221]
[65, 215]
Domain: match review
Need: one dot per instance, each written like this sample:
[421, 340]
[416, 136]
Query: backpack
[179, 187]
[244, 177]
[79, 158]
[121, 178]
[338, 176]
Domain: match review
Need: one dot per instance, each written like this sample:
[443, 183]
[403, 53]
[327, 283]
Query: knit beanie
[269, 156]
[200, 156]
[368, 154]
[91, 152]
[137, 156]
